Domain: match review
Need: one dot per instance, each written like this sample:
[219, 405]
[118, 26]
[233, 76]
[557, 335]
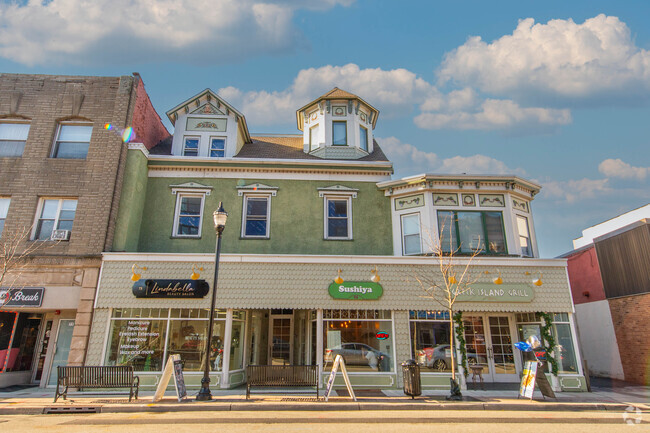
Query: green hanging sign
[356, 290]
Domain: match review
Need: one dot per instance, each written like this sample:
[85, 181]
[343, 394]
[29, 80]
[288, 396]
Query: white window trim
[366, 147]
[347, 138]
[348, 199]
[4, 217]
[10, 122]
[39, 210]
[217, 137]
[198, 147]
[55, 146]
[519, 236]
[177, 212]
[246, 196]
[419, 232]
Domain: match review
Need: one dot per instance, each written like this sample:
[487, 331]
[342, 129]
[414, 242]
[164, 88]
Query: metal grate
[71, 409]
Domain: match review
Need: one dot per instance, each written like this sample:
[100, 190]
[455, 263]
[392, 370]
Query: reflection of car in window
[439, 357]
[359, 354]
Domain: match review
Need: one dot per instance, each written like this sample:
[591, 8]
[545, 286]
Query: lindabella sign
[356, 290]
[170, 288]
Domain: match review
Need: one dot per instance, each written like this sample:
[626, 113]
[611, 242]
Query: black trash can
[411, 376]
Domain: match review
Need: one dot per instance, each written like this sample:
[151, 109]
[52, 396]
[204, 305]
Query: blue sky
[557, 92]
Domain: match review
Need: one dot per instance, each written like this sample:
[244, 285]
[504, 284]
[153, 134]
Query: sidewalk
[613, 397]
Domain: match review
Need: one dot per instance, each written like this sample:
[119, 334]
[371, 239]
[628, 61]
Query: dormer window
[339, 133]
[191, 146]
[363, 138]
[217, 147]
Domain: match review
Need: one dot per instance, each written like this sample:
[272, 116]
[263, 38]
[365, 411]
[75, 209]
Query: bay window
[469, 231]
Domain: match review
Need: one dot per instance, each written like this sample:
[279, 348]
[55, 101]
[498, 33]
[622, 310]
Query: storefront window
[564, 353]
[430, 340]
[20, 330]
[138, 342]
[144, 337]
[362, 337]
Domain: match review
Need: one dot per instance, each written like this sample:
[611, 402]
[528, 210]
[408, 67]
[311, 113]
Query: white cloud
[557, 60]
[393, 92]
[492, 114]
[572, 191]
[409, 160]
[116, 31]
[620, 169]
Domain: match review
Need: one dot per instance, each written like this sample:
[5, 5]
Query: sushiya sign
[356, 290]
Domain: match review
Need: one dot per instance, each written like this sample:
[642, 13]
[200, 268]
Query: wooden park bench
[79, 377]
[281, 376]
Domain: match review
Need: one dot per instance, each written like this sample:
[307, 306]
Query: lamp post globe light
[220, 216]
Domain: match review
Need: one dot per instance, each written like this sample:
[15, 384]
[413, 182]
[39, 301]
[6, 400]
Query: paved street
[339, 421]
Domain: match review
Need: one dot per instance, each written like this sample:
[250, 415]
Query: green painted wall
[297, 218]
[132, 201]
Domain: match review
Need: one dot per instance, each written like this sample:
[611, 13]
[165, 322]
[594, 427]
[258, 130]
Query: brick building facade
[60, 179]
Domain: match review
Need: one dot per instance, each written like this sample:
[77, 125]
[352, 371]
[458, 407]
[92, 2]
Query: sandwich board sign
[338, 362]
[174, 366]
[529, 379]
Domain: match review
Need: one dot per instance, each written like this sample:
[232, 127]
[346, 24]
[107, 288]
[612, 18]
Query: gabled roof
[208, 97]
[335, 94]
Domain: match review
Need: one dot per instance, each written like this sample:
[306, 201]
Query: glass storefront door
[280, 339]
[62, 347]
[489, 344]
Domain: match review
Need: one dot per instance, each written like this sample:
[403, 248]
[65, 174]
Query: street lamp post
[220, 216]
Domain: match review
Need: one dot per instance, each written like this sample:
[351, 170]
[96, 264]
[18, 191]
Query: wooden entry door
[280, 339]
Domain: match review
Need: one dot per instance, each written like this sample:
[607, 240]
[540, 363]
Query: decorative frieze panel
[207, 109]
[445, 199]
[203, 124]
[339, 110]
[409, 202]
[469, 200]
[491, 200]
[520, 205]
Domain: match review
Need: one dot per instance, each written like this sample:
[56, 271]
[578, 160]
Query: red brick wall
[630, 316]
[584, 276]
[148, 127]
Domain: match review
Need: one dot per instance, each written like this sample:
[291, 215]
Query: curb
[330, 406]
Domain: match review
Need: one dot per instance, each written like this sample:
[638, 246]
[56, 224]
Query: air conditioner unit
[60, 235]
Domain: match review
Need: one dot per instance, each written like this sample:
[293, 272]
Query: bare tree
[448, 279]
[15, 254]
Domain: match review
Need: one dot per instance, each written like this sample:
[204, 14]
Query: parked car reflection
[439, 358]
[359, 354]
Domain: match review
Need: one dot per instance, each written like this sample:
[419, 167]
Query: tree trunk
[452, 345]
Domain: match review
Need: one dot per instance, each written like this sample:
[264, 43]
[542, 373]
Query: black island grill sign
[170, 288]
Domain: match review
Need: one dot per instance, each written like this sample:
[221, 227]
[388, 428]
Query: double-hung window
[72, 141]
[313, 138]
[191, 146]
[217, 147]
[257, 214]
[524, 236]
[363, 138]
[188, 215]
[468, 232]
[4, 209]
[411, 241]
[54, 214]
[338, 218]
[339, 133]
[12, 139]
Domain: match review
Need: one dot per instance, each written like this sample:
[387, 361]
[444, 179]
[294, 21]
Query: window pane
[44, 229]
[337, 208]
[187, 338]
[2, 225]
[191, 147]
[50, 208]
[75, 133]
[218, 144]
[567, 361]
[14, 131]
[256, 206]
[472, 236]
[524, 236]
[72, 150]
[495, 235]
[11, 148]
[65, 224]
[356, 341]
[337, 227]
[4, 207]
[188, 225]
[313, 137]
[339, 133]
[412, 244]
[191, 205]
[411, 224]
[363, 137]
[430, 346]
[256, 228]
[447, 229]
[137, 342]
